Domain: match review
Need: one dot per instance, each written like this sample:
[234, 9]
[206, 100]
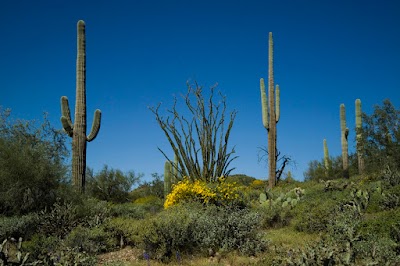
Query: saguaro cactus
[270, 113]
[77, 130]
[344, 136]
[359, 145]
[326, 158]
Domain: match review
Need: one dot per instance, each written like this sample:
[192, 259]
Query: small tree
[31, 164]
[200, 141]
[112, 185]
[380, 138]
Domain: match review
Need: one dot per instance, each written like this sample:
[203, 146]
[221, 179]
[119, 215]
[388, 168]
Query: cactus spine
[78, 130]
[359, 137]
[326, 158]
[167, 178]
[270, 113]
[344, 137]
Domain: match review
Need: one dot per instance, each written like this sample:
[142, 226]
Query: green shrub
[274, 216]
[125, 230]
[40, 247]
[128, 210]
[18, 226]
[112, 185]
[315, 211]
[390, 198]
[224, 229]
[90, 240]
[168, 232]
[31, 164]
[153, 188]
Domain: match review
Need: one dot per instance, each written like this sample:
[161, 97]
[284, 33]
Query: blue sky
[140, 53]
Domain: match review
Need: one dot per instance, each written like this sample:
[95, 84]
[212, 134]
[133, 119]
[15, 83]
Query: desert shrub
[64, 216]
[224, 229]
[40, 247]
[390, 198]
[125, 230]
[128, 210]
[153, 188]
[70, 256]
[242, 179]
[112, 185]
[18, 226]
[221, 193]
[31, 164]
[89, 240]
[381, 135]
[168, 232]
[274, 216]
[189, 227]
[314, 212]
[348, 243]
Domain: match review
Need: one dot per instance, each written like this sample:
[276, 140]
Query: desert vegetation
[345, 212]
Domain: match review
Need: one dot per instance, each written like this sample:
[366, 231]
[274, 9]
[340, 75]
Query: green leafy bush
[112, 185]
[125, 230]
[18, 226]
[90, 240]
[31, 164]
[224, 229]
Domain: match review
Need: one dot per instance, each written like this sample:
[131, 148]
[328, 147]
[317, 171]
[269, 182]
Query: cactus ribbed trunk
[272, 119]
[326, 158]
[344, 137]
[270, 113]
[79, 139]
[359, 145]
[77, 130]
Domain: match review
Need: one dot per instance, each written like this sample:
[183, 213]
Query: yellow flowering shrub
[186, 190]
[221, 193]
[257, 184]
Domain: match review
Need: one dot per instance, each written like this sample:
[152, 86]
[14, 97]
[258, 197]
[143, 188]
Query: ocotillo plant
[167, 178]
[326, 158]
[77, 130]
[344, 136]
[359, 145]
[270, 113]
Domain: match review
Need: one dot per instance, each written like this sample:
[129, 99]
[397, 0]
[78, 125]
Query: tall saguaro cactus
[77, 130]
[270, 113]
[359, 145]
[326, 158]
[344, 137]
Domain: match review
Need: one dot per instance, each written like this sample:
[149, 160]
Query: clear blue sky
[140, 53]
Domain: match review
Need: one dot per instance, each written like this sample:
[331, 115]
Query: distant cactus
[78, 130]
[344, 137]
[359, 138]
[326, 158]
[270, 113]
[168, 176]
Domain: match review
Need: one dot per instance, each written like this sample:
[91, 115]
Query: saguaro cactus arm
[264, 104]
[95, 126]
[66, 116]
[277, 103]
